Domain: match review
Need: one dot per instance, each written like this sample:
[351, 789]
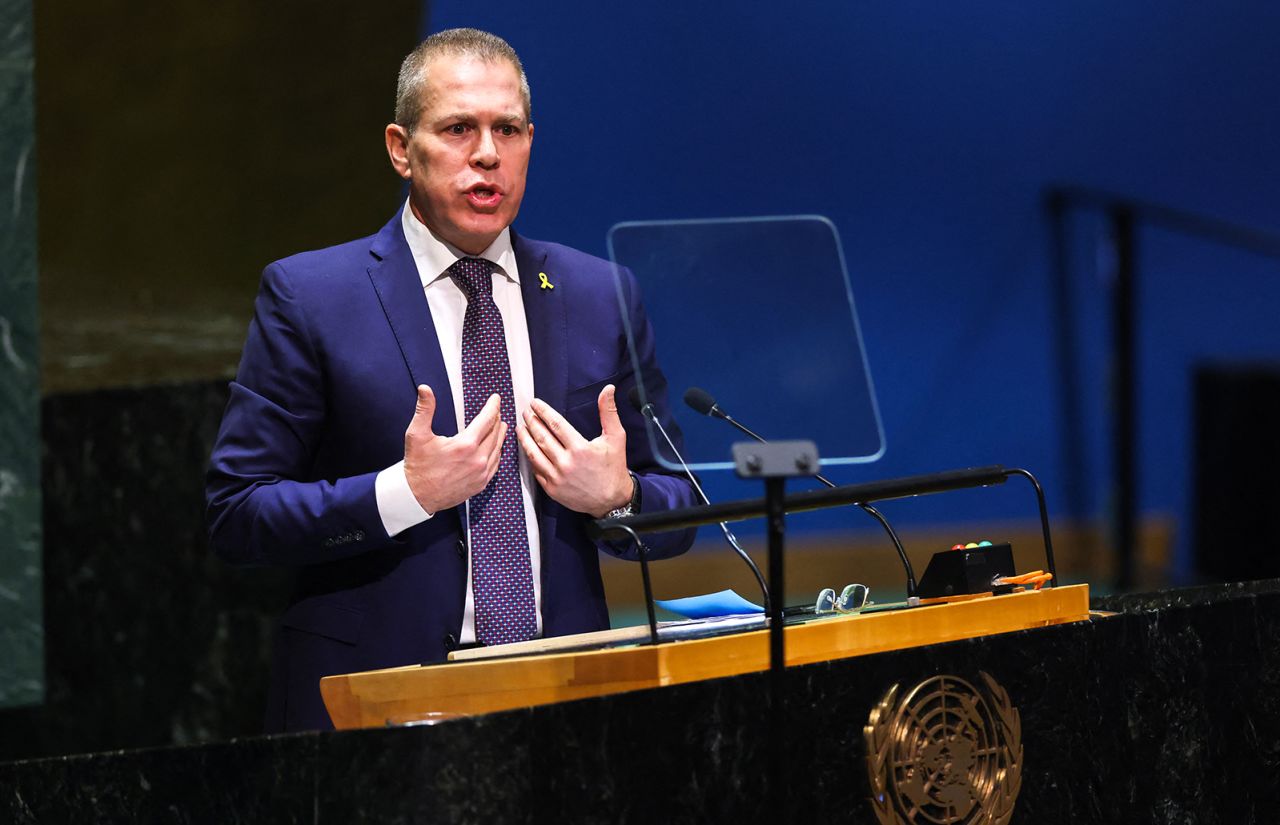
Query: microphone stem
[867, 508]
[742, 428]
[648, 412]
[897, 543]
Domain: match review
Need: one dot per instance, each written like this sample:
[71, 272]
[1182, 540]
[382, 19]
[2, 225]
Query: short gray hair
[457, 42]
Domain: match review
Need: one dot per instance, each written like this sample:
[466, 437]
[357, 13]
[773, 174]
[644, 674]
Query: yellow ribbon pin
[543, 282]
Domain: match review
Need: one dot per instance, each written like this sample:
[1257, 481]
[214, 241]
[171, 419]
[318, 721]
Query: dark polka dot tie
[501, 575]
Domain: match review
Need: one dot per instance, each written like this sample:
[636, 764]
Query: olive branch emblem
[946, 752]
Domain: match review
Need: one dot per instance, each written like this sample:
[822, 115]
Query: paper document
[724, 603]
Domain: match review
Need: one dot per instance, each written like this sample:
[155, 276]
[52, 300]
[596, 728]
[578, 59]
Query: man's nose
[486, 151]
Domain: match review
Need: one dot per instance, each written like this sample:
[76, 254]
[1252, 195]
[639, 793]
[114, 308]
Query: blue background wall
[926, 132]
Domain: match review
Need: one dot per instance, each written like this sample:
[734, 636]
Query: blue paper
[724, 603]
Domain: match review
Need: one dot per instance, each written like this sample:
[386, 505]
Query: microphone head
[699, 400]
[633, 395]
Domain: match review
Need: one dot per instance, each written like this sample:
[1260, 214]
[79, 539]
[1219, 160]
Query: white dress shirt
[397, 505]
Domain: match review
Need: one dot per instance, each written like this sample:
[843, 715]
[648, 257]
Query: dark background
[183, 148]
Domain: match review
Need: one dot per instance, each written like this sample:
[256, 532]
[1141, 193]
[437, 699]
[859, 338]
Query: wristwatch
[632, 506]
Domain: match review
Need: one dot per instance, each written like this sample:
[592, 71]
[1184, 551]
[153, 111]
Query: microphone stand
[646, 410]
[702, 402]
[905, 487]
[642, 553]
[775, 462]
[912, 598]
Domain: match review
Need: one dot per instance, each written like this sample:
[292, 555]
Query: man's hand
[445, 471]
[585, 476]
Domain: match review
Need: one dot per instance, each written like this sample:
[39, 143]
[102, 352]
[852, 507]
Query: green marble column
[21, 626]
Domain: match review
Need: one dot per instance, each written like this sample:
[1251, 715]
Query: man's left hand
[586, 476]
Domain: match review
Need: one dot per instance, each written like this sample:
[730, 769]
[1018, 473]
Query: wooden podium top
[406, 694]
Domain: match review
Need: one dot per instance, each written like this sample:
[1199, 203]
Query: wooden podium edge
[406, 694]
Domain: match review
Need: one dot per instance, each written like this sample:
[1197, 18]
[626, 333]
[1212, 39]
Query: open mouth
[484, 196]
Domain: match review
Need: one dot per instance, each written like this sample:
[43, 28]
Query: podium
[1160, 708]
[613, 662]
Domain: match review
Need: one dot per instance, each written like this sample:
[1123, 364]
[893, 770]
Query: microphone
[646, 409]
[701, 401]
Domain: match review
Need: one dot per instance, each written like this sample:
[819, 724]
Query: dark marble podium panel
[1168, 713]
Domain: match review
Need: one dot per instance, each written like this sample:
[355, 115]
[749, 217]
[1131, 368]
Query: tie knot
[473, 275]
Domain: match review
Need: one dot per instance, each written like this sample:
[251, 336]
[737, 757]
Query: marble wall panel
[21, 630]
[198, 148]
[151, 640]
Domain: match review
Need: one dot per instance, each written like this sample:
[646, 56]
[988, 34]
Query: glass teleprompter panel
[758, 313]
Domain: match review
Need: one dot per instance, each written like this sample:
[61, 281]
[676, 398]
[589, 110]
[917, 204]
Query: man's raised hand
[444, 471]
[585, 476]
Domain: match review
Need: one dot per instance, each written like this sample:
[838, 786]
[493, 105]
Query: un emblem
[946, 752]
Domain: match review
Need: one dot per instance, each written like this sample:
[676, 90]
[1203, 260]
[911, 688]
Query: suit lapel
[544, 311]
[395, 278]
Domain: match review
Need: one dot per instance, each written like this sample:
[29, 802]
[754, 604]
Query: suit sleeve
[660, 488]
[264, 506]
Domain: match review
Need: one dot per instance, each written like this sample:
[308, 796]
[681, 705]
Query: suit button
[462, 548]
[450, 642]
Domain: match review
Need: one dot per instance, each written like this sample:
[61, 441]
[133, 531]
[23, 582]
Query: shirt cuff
[397, 505]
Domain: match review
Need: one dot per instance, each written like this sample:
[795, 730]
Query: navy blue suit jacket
[340, 339]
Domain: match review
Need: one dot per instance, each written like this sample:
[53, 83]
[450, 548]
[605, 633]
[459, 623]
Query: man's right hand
[445, 471]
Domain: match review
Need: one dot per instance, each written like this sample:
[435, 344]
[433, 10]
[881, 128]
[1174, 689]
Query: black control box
[967, 571]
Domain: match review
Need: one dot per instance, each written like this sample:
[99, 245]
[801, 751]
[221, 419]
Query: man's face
[467, 158]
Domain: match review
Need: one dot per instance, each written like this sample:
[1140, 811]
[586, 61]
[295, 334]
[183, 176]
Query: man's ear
[398, 149]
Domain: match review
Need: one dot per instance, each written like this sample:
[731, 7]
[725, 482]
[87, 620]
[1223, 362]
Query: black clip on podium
[775, 462]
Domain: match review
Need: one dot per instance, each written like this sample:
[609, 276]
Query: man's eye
[507, 130]
[458, 129]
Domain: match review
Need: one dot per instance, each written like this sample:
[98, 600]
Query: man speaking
[423, 420]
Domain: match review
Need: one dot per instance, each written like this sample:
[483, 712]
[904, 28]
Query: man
[424, 420]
